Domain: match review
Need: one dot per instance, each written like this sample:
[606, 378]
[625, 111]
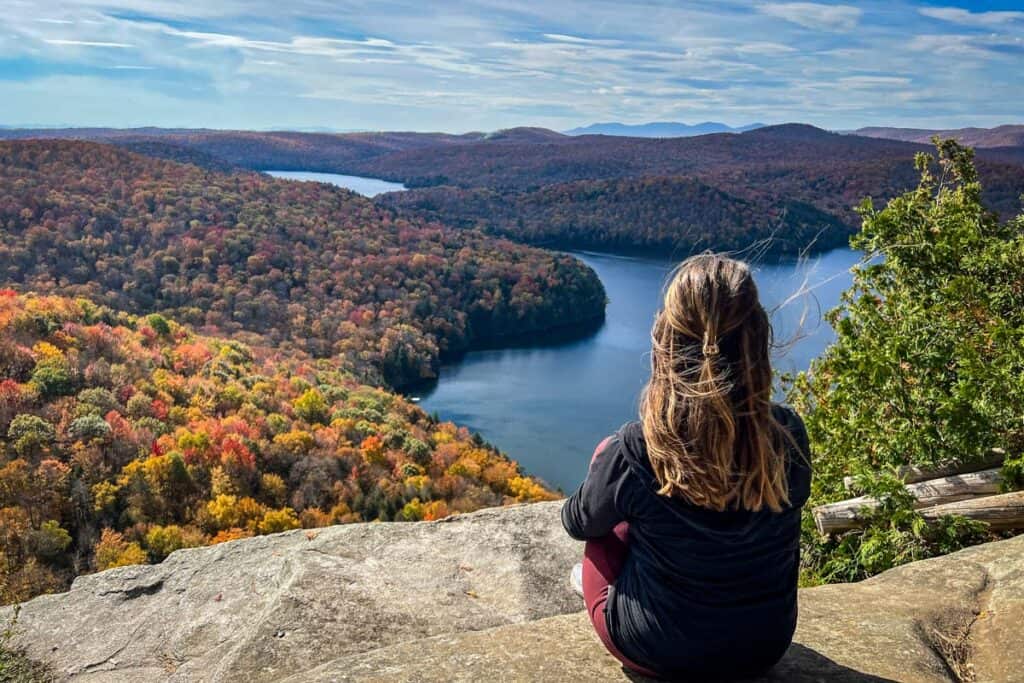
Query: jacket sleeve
[595, 508]
[801, 470]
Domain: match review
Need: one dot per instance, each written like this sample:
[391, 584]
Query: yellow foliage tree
[223, 511]
[413, 510]
[164, 540]
[528, 490]
[342, 514]
[104, 495]
[312, 518]
[113, 550]
[273, 489]
[435, 509]
[275, 521]
[296, 441]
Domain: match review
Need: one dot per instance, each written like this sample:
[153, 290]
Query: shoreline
[558, 335]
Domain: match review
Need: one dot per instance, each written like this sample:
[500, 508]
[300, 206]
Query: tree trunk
[1002, 512]
[835, 517]
[911, 475]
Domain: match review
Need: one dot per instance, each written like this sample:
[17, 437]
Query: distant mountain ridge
[781, 182]
[522, 134]
[660, 129]
[1009, 135]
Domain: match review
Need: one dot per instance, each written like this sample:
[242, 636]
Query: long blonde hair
[707, 415]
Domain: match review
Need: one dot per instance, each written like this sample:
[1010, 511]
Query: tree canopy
[927, 366]
[294, 265]
[163, 439]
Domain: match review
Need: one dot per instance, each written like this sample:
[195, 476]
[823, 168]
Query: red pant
[603, 559]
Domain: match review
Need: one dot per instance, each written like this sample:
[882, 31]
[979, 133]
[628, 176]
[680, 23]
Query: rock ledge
[482, 596]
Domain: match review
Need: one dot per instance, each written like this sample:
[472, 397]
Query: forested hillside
[257, 150]
[665, 213]
[981, 138]
[793, 187]
[788, 182]
[275, 262]
[123, 438]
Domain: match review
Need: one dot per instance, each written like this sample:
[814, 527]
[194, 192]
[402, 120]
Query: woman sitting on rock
[692, 515]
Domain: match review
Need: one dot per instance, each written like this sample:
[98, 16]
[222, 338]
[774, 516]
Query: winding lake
[368, 187]
[547, 406]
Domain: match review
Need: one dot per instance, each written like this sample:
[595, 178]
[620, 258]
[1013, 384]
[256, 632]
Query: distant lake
[547, 406]
[368, 187]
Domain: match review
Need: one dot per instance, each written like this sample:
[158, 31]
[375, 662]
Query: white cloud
[364, 51]
[562, 38]
[761, 48]
[815, 16]
[967, 18]
[983, 49]
[487, 64]
[86, 43]
[874, 81]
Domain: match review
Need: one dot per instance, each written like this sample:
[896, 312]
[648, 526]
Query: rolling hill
[666, 214]
[280, 263]
[1000, 136]
[660, 129]
[793, 185]
[124, 438]
[789, 182]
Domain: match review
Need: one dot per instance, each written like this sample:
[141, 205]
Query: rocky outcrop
[482, 596]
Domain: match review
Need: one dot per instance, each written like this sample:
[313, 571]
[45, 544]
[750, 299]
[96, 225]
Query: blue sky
[487, 64]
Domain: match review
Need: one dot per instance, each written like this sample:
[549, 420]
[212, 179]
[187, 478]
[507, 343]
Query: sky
[464, 65]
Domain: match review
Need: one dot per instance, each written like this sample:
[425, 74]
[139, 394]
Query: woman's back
[702, 590]
[692, 514]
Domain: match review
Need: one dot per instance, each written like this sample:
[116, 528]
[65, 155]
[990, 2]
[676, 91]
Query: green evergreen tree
[927, 366]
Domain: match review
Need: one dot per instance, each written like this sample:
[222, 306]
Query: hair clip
[709, 349]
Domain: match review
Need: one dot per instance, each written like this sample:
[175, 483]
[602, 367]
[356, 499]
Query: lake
[547, 406]
[368, 187]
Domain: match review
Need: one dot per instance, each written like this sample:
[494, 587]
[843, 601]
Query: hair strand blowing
[707, 416]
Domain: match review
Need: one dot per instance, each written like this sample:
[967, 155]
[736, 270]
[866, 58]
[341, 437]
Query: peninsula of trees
[124, 438]
[292, 265]
[189, 356]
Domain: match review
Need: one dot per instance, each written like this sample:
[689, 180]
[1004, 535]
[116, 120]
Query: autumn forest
[192, 351]
[190, 356]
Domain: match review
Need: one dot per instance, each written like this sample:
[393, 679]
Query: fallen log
[1003, 512]
[846, 514]
[911, 475]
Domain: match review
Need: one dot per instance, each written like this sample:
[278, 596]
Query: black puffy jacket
[702, 592]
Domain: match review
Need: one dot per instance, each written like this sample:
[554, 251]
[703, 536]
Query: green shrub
[15, 665]
[139, 405]
[50, 540]
[52, 377]
[159, 324]
[417, 449]
[89, 427]
[311, 407]
[161, 541]
[927, 366]
[95, 401]
[30, 434]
